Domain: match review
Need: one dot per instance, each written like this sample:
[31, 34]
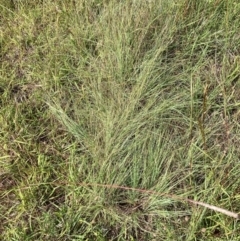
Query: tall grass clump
[114, 114]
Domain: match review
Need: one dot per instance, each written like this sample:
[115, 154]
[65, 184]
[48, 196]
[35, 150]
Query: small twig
[214, 208]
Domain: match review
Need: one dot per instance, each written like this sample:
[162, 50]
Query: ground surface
[138, 94]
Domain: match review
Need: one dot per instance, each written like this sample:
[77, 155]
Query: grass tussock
[138, 94]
